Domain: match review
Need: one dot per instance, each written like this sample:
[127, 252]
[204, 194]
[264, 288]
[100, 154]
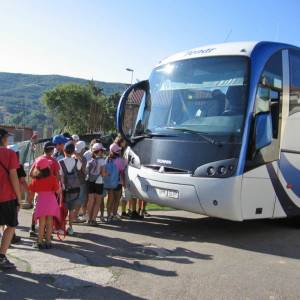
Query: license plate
[173, 194]
[167, 193]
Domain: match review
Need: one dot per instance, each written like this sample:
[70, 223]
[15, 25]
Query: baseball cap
[59, 139]
[42, 163]
[97, 147]
[69, 147]
[79, 146]
[48, 146]
[115, 148]
[3, 133]
[75, 137]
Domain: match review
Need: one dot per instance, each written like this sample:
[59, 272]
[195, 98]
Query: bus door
[258, 193]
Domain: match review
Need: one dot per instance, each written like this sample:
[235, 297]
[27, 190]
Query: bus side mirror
[128, 108]
[263, 130]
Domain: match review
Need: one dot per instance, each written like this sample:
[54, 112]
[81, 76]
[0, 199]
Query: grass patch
[153, 206]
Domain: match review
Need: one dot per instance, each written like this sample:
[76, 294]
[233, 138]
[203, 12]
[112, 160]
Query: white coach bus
[215, 131]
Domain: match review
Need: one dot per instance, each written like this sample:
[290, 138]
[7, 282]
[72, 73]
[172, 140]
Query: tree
[82, 109]
[70, 105]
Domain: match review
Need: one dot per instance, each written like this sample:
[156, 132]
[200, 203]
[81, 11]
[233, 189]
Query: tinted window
[295, 81]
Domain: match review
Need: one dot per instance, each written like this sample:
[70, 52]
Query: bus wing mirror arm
[263, 130]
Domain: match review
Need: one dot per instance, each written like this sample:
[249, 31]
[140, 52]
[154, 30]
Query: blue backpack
[112, 180]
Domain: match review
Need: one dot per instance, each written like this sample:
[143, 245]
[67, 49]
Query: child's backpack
[111, 181]
[92, 174]
[71, 179]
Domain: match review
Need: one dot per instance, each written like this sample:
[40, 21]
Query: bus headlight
[211, 171]
[222, 170]
[217, 169]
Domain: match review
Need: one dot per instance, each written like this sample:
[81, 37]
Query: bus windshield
[201, 95]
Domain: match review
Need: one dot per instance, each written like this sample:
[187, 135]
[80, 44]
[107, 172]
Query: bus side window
[295, 82]
[269, 99]
[271, 84]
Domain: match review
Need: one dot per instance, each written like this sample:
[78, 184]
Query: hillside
[20, 95]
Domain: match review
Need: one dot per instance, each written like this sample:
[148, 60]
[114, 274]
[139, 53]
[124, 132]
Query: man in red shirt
[10, 196]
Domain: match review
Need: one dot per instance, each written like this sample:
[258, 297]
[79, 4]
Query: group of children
[68, 176]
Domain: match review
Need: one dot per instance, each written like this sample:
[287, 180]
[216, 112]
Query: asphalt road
[171, 255]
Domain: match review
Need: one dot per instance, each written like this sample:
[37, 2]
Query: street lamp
[130, 70]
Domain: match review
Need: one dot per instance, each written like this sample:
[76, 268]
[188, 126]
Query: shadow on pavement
[265, 236]
[25, 285]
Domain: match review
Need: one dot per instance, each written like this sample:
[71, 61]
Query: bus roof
[235, 48]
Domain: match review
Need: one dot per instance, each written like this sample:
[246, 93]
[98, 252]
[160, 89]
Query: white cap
[97, 147]
[75, 137]
[79, 146]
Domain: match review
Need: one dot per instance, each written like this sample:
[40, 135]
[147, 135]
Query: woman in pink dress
[45, 185]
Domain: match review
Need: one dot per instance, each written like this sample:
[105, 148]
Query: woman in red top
[45, 185]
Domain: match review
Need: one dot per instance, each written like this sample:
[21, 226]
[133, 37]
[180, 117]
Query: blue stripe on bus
[290, 173]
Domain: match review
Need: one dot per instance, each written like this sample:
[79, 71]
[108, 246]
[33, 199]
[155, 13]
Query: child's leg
[71, 217]
[133, 204]
[49, 228]
[102, 206]
[96, 206]
[42, 224]
[33, 212]
[117, 197]
[124, 204]
[110, 202]
[140, 203]
[90, 205]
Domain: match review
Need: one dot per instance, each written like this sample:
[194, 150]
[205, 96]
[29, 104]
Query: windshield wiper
[199, 133]
[150, 135]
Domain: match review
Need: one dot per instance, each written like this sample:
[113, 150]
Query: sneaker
[32, 233]
[16, 239]
[38, 245]
[5, 264]
[94, 223]
[124, 215]
[109, 219]
[48, 245]
[129, 212]
[70, 231]
[145, 213]
[136, 216]
[79, 221]
[102, 219]
[116, 218]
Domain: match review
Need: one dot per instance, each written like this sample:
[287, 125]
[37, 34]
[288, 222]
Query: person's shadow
[15, 285]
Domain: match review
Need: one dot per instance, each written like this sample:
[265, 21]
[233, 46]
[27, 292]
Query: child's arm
[24, 184]
[122, 178]
[30, 197]
[103, 171]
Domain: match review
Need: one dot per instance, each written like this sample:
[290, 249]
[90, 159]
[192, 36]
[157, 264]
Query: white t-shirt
[95, 169]
[70, 164]
[88, 155]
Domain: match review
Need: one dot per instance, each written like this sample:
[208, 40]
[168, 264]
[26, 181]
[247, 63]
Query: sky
[99, 39]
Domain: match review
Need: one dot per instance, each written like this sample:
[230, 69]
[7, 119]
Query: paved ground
[172, 255]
